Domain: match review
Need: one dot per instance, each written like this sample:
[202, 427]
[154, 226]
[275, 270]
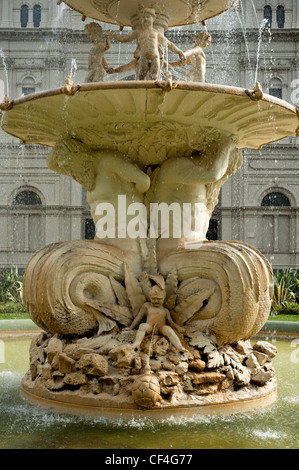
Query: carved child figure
[157, 317]
[149, 42]
[196, 57]
[97, 64]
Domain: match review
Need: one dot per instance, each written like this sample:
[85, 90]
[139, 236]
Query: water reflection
[26, 426]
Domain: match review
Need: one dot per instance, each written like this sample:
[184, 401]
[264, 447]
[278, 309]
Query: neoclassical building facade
[41, 43]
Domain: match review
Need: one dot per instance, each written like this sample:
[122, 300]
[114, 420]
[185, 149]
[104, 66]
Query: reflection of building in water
[258, 205]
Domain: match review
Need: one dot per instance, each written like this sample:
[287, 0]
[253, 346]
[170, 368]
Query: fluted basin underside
[179, 12]
[146, 122]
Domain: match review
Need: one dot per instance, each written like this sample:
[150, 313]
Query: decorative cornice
[19, 34]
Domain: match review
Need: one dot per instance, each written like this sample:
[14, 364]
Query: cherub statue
[257, 93]
[196, 57]
[157, 317]
[148, 41]
[135, 63]
[97, 64]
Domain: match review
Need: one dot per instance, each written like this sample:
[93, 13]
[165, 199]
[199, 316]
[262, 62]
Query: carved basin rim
[179, 12]
[39, 118]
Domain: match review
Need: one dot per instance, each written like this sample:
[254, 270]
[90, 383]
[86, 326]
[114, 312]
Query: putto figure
[196, 57]
[149, 43]
[157, 317]
[97, 64]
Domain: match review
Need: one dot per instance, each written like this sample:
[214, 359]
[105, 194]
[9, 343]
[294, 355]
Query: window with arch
[90, 229]
[24, 16]
[212, 233]
[280, 16]
[28, 231]
[276, 199]
[27, 198]
[28, 86]
[275, 224]
[268, 15]
[37, 16]
[275, 88]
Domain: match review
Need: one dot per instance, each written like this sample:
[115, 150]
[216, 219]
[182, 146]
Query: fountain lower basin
[24, 425]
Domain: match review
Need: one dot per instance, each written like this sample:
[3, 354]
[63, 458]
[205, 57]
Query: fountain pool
[26, 426]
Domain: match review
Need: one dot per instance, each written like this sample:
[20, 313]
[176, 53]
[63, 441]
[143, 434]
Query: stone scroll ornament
[84, 287]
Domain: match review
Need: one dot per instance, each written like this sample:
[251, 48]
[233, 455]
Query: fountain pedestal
[151, 319]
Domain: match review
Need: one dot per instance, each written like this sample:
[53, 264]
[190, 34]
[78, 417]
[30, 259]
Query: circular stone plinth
[88, 405]
[147, 123]
[179, 12]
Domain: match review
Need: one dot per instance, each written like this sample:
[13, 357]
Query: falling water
[264, 26]
[151, 343]
[166, 59]
[210, 46]
[258, 25]
[74, 69]
[3, 58]
[245, 37]
[57, 20]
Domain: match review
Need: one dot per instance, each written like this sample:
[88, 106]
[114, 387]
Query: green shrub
[11, 307]
[286, 288]
[11, 286]
[291, 308]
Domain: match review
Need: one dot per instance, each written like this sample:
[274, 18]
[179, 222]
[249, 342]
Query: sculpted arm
[122, 38]
[172, 324]
[172, 47]
[139, 317]
[203, 168]
[129, 172]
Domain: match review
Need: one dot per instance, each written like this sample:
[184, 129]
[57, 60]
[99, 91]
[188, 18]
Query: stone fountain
[149, 318]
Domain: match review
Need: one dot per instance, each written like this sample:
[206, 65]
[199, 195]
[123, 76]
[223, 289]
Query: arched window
[268, 15]
[212, 233]
[37, 15]
[24, 16]
[276, 199]
[280, 16]
[28, 228]
[28, 86]
[275, 225]
[27, 198]
[275, 88]
[89, 229]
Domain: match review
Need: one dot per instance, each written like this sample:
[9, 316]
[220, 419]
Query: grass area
[284, 317]
[14, 316]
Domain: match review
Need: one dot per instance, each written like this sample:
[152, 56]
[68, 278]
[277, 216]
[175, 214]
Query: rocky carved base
[106, 372]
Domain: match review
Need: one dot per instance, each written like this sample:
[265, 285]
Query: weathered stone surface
[262, 358]
[66, 363]
[260, 376]
[80, 352]
[266, 348]
[54, 384]
[198, 365]
[251, 361]
[182, 368]
[243, 347]
[168, 378]
[75, 378]
[207, 377]
[124, 355]
[242, 377]
[93, 364]
[55, 346]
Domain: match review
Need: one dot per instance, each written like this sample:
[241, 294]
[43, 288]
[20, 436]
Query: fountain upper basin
[176, 12]
[148, 124]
